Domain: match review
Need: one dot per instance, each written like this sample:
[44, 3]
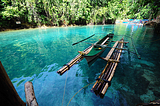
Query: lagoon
[36, 55]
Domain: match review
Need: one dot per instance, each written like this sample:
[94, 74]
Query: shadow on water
[36, 55]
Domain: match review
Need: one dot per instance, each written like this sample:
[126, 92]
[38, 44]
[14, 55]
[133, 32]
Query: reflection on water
[35, 55]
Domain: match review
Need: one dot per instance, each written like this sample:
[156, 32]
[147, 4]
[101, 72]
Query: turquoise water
[36, 55]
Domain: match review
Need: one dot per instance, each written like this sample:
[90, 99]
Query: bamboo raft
[104, 80]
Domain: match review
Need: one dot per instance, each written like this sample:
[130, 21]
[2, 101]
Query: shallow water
[36, 55]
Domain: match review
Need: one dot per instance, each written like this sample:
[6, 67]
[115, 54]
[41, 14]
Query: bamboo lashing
[102, 84]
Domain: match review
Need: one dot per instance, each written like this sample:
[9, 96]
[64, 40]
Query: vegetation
[32, 13]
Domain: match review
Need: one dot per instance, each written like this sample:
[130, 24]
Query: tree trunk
[8, 94]
[30, 96]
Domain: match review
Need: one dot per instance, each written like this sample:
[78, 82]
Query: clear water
[36, 54]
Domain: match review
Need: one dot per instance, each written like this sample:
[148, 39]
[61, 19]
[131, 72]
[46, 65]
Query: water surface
[36, 54]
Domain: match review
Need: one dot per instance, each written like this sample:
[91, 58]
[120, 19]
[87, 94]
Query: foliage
[81, 12]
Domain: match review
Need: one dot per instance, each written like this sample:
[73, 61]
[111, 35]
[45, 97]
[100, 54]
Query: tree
[81, 12]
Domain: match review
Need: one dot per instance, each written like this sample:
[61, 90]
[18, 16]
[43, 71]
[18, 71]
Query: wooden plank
[30, 96]
[111, 51]
[8, 94]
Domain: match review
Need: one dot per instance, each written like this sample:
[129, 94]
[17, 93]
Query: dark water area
[36, 55]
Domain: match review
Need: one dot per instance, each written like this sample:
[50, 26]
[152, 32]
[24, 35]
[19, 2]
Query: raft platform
[104, 80]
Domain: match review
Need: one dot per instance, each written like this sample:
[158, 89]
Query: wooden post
[30, 96]
[8, 94]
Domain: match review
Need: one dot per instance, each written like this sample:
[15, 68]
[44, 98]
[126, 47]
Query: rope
[104, 80]
[64, 87]
[78, 92]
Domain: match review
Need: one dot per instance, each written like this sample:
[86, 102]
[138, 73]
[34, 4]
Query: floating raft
[104, 80]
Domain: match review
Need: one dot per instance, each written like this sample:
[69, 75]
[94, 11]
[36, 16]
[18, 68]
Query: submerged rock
[149, 96]
[149, 75]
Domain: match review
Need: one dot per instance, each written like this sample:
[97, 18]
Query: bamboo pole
[135, 49]
[107, 75]
[70, 65]
[8, 94]
[99, 77]
[30, 96]
[121, 42]
[111, 76]
[100, 87]
[73, 61]
[104, 73]
[104, 41]
[111, 51]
